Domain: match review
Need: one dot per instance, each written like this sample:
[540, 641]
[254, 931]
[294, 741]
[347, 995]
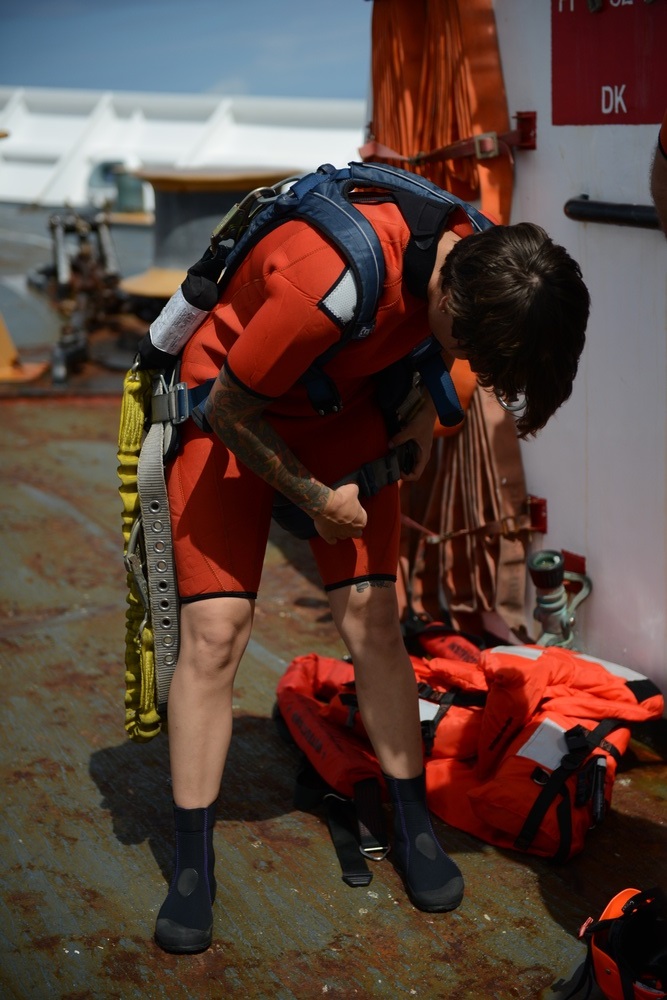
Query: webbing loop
[172, 405]
[156, 521]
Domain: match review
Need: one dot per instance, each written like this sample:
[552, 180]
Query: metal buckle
[179, 403]
[516, 405]
[134, 562]
[240, 214]
[376, 854]
[483, 151]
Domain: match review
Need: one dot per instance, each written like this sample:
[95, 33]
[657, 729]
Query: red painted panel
[609, 67]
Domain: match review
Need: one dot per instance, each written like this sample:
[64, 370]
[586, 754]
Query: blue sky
[286, 48]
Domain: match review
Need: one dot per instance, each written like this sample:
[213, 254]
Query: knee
[370, 616]
[211, 648]
[211, 651]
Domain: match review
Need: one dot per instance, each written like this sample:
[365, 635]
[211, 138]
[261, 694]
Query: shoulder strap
[402, 182]
[322, 199]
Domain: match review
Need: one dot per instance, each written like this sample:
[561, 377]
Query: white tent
[66, 146]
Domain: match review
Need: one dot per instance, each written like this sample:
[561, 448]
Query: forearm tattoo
[236, 417]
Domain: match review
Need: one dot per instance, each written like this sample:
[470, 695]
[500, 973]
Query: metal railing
[582, 209]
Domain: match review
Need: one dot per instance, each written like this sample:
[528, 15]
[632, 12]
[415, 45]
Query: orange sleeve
[282, 329]
[465, 383]
[463, 377]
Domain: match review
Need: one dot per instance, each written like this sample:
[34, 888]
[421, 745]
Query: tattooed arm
[236, 417]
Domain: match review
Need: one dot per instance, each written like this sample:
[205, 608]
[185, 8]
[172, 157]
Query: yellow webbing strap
[142, 721]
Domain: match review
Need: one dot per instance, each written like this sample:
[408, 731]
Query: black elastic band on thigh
[370, 578]
[249, 595]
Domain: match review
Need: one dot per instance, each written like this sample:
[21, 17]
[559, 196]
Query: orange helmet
[628, 946]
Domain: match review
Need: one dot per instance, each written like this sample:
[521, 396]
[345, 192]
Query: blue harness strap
[322, 199]
[325, 199]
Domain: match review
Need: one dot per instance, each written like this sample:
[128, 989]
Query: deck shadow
[135, 786]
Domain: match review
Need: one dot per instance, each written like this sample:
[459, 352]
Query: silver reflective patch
[341, 301]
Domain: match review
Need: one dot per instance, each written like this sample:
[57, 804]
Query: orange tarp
[437, 78]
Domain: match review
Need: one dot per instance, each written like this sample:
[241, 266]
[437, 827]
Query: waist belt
[370, 478]
[177, 402]
[374, 476]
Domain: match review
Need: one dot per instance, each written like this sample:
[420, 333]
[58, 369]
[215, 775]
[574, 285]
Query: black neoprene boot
[433, 881]
[185, 921]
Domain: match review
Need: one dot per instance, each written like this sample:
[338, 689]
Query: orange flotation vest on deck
[522, 743]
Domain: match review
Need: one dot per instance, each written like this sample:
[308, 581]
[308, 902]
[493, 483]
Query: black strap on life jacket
[581, 743]
[357, 826]
[642, 688]
[444, 700]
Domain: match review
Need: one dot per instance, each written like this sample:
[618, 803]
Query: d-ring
[512, 406]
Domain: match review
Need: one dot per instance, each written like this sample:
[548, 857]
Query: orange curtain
[437, 78]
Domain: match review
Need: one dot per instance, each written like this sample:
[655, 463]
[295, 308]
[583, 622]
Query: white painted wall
[601, 462]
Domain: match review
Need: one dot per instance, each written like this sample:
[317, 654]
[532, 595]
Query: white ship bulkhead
[601, 463]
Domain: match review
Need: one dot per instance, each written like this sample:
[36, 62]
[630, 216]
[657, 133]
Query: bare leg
[367, 619]
[214, 634]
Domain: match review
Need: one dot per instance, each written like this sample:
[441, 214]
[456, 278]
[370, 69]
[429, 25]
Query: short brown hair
[519, 308]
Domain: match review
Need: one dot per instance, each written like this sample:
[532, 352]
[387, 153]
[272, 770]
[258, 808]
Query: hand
[343, 516]
[151, 358]
[420, 430]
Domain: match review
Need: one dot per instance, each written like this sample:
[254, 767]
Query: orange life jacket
[522, 743]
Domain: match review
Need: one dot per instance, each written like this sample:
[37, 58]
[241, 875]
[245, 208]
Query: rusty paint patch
[25, 901]
[48, 942]
[66, 678]
[120, 964]
[43, 767]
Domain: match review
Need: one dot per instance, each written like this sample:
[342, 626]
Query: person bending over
[510, 301]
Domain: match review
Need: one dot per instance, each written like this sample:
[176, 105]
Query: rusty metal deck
[86, 830]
